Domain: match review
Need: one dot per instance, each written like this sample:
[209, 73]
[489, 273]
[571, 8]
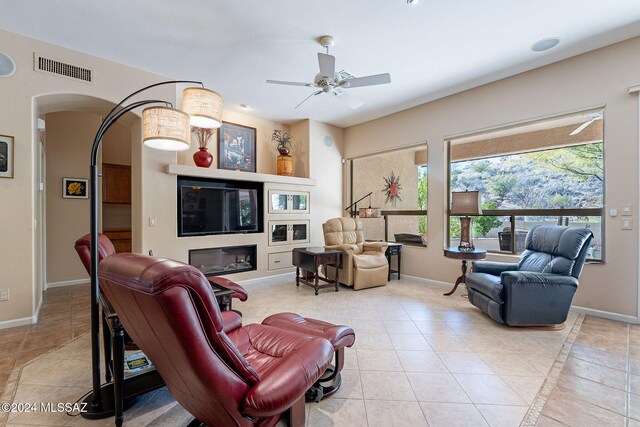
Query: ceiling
[431, 50]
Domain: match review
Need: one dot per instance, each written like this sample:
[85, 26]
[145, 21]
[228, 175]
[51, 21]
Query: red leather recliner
[238, 376]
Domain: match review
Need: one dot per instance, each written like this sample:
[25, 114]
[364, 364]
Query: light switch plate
[626, 210]
[153, 221]
[627, 223]
[4, 294]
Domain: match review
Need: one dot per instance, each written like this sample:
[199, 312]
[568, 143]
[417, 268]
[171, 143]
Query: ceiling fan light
[204, 107]
[413, 2]
[166, 129]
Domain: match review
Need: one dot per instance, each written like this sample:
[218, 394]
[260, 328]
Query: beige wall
[327, 168]
[68, 152]
[18, 111]
[597, 78]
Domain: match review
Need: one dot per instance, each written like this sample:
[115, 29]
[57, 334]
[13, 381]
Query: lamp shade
[466, 203]
[204, 107]
[166, 129]
[369, 212]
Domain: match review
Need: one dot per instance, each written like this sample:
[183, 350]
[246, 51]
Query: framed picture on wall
[237, 147]
[75, 188]
[6, 156]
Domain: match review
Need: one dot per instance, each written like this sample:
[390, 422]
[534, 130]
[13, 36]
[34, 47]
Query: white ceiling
[432, 50]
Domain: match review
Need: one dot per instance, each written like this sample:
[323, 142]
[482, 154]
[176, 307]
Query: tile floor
[419, 359]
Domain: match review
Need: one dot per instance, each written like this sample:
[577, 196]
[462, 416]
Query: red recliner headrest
[83, 245]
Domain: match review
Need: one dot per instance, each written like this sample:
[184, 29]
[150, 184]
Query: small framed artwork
[75, 188]
[6, 156]
[237, 147]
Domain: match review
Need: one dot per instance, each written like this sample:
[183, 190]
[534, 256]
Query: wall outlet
[4, 294]
[627, 223]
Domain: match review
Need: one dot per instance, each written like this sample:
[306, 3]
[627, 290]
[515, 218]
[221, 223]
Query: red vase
[202, 158]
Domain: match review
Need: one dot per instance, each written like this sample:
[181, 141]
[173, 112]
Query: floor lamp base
[108, 407]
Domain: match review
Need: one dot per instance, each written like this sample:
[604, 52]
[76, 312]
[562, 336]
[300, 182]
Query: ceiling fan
[591, 117]
[335, 83]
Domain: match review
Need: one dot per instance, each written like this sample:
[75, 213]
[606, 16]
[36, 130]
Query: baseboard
[16, 322]
[426, 281]
[67, 283]
[605, 314]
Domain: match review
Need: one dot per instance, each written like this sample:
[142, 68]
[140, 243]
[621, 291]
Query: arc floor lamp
[164, 128]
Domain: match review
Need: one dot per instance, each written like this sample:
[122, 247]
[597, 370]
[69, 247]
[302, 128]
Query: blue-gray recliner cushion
[553, 249]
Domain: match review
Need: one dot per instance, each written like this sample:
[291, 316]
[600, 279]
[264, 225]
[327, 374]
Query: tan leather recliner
[364, 264]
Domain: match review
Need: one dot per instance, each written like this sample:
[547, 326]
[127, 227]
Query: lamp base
[107, 408]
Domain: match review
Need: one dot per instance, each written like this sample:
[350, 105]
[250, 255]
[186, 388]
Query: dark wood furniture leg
[399, 263]
[336, 278]
[297, 276]
[460, 279]
[316, 281]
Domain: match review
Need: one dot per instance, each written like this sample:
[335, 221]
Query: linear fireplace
[226, 260]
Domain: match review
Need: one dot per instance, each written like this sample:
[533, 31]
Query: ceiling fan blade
[308, 97]
[582, 126]
[327, 64]
[352, 101]
[376, 79]
[280, 82]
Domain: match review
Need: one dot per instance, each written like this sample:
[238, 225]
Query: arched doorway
[62, 150]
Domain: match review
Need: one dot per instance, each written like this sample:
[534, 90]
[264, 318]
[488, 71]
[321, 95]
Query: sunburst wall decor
[392, 189]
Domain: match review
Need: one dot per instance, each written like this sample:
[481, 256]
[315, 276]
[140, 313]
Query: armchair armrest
[511, 278]
[303, 360]
[345, 247]
[231, 321]
[376, 246]
[492, 267]
[537, 298]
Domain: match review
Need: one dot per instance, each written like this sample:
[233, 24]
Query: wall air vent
[63, 69]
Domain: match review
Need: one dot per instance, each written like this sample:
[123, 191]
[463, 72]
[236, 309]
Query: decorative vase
[283, 151]
[203, 158]
[285, 166]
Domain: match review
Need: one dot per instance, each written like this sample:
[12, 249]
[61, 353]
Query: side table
[455, 253]
[394, 249]
[310, 259]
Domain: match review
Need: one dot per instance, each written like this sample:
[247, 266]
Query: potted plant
[202, 157]
[283, 139]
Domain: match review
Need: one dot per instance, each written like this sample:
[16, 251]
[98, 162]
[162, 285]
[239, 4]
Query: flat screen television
[219, 207]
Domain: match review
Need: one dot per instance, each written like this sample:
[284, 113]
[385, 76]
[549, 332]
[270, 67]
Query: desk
[310, 259]
[455, 253]
[127, 389]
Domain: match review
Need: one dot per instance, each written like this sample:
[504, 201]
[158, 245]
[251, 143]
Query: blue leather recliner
[539, 289]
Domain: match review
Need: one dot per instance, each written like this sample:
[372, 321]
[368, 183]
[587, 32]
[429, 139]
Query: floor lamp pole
[99, 406]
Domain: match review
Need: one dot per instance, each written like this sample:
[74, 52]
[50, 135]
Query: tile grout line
[535, 410]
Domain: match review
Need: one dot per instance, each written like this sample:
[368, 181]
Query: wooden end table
[455, 253]
[394, 249]
[310, 259]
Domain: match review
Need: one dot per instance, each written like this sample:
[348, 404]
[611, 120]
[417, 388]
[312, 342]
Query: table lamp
[463, 204]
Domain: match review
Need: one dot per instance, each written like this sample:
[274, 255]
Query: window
[549, 172]
[397, 181]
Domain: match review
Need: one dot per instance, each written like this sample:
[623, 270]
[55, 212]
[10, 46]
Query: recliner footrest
[340, 336]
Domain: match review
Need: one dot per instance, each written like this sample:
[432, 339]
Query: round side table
[455, 253]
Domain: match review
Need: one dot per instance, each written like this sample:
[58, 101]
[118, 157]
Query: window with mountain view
[549, 172]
